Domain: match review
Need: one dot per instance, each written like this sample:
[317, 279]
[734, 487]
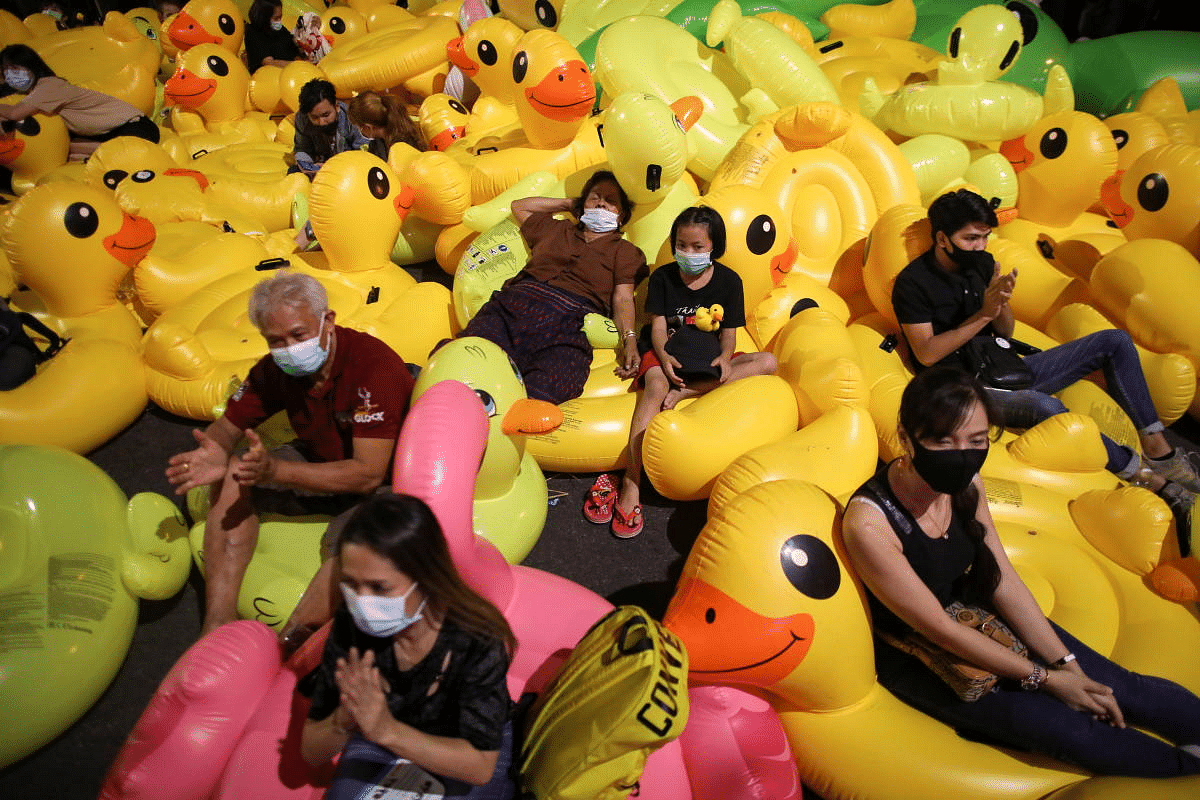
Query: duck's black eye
[760, 234]
[457, 107]
[217, 66]
[810, 566]
[29, 127]
[1054, 143]
[1029, 21]
[710, 616]
[489, 405]
[1120, 137]
[520, 66]
[1153, 192]
[143, 176]
[487, 53]
[337, 25]
[955, 38]
[113, 177]
[377, 183]
[1011, 55]
[546, 15]
[81, 220]
[226, 24]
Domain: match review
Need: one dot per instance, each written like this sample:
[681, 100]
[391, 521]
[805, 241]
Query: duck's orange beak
[11, 148]
[188, 89]
[729, 643]
[404, 201]
[456, 54]
[567, 93]
[530, 417]
[688, 110]
[1120, 212]
[781, 264]
[133, 241]
[185, 32]
[1017, 153]
[447, 137]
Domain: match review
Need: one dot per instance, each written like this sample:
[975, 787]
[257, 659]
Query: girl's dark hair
[22, 55]
[260, 13]
[954, 210]
[403, 529]
[600, 176]
[934, 404]
[314, 92]
[708, 217]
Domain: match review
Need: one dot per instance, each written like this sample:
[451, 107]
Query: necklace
[934, 521]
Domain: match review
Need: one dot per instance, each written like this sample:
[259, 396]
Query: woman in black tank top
[920, 536]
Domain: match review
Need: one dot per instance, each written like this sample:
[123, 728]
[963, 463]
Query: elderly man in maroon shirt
[345, 394]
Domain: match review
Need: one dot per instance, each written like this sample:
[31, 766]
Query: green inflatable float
[75, 556]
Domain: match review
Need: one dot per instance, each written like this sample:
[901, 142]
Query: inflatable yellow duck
[36, 146]
[966, 99]
[410, 54]
[78, 556]
[95, 385]
[768, 574]
[509, 508]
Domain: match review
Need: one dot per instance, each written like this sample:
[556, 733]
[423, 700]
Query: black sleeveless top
[940, 563]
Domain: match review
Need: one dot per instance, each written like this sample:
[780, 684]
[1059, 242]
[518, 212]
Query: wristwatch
[1034, 680]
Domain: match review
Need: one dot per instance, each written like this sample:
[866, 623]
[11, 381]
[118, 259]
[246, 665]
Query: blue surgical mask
[19, 79]
[600, 220]
[276, 26]
[693, 263]
[302, 358]
[381, 616]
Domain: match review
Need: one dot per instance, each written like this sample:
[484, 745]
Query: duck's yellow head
[72, 245]
[1061, 163]
[357, 205]
[484, 54]
[1156, 197]
[34, 146]
[982, 46]
[553, 89]
[209, 81]
[217, 22]
[758, 239]
[764, 601]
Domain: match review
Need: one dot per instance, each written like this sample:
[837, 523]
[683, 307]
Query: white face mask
[381, 616]
[693, 263]
[599, 220]
[276, 26]
[19, 79]
[302, 358]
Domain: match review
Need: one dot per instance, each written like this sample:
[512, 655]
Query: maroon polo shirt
[561, 257]
[365, 397]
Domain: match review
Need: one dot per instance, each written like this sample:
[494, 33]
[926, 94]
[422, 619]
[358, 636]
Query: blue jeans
[1038, 722]
[1055, 369]
[364, 763]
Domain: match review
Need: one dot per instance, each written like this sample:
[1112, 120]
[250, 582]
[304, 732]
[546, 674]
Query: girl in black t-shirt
[695, 307]
[415, 666]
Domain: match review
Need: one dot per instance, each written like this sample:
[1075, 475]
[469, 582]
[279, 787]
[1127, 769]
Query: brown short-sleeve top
[561, 257]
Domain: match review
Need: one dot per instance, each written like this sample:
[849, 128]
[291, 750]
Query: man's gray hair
[287, 288]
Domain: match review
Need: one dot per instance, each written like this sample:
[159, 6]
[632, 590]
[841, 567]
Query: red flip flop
[598, 506]
[627, 527]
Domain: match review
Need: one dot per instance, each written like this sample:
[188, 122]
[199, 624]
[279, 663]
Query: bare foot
[675, 395]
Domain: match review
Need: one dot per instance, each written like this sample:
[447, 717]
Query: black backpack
[19, 353]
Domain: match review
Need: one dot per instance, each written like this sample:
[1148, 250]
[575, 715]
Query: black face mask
[973, 260]
[947, 471]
